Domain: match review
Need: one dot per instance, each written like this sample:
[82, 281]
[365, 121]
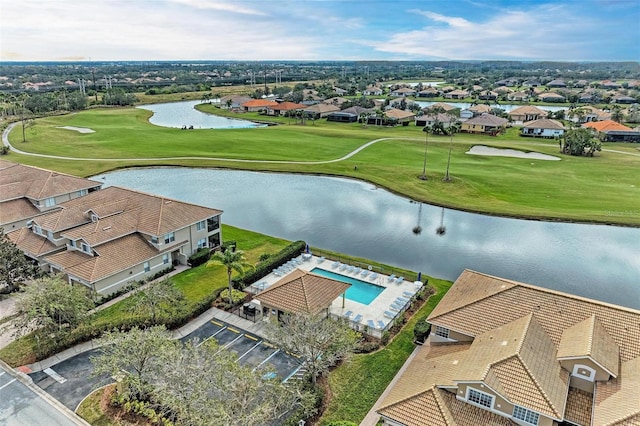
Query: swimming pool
[360, 291]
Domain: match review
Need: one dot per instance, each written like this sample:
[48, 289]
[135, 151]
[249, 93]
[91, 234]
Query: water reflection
[183, 114]
[347, 216]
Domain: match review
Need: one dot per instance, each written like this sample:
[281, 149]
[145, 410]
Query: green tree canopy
[579, 142]
[232, 261]
[15, 268]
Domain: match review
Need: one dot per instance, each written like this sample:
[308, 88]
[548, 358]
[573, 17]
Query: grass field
[603, 189]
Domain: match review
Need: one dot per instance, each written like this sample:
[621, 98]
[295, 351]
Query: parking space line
[213, 335]
[267, 359]
[2, 373]
[252, 348]
[7, 384]
[55, 376]
[232, 342]
[291, 375]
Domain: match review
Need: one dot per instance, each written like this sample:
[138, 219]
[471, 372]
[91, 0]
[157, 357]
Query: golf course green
[602, 189]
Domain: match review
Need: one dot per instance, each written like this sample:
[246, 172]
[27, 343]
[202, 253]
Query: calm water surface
[505, 107]
[179, 114]
[357, 218]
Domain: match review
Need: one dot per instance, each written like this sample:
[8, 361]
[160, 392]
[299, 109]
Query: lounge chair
[371, 324]
[364, 273]
[347, 314]
[343, 266]
[391, 277]
[402, 300]
[373, 276]
[399, 280]
[395, 307]
[357, 270]
[381, 325]
[321, 259]
[335, 264]
[349, 269]
[277, 273]
[358, 318]
[408, 294]
[388, 314]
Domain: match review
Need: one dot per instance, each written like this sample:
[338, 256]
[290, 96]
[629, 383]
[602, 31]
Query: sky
[104, 30]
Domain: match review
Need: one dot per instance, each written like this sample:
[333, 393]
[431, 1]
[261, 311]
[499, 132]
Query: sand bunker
[78, 129]
[498, 152]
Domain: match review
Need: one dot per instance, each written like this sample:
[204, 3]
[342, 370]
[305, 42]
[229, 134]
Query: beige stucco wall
[453, 336]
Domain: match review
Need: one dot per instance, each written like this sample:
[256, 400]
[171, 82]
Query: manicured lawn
[196, 284]
[357, 385]
[602, 189]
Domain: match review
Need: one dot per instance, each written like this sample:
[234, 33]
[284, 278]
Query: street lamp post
[447, 178]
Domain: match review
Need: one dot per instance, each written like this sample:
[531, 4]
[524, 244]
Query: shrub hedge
[198, 258]
[264, 267]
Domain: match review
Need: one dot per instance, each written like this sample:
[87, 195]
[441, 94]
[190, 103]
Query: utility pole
[95, 86]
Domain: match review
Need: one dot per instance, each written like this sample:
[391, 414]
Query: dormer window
[86, 248]
[527, 416]
[154, 240]
[94, 217]
[37, 229]
[72, 243]
[50, 202]
[170, 237]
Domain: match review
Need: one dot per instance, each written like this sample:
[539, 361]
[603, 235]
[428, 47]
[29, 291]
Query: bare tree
[320, 341]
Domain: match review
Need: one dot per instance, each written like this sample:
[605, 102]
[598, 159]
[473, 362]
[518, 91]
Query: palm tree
[426, 130]
[452, 129]
[233, 261]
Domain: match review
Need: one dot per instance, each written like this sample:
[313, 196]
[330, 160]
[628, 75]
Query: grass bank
[603, 189]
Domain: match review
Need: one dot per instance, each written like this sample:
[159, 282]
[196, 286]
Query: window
[73, 243]
[154, 240]
[81, 192]
[480, 398]
[37, 229]
[441, 331]
[213, 223]
[201, 226]
[86, 248]
[165, 258]
[202, 243]
[523, 414]
[170, 237]
[147, 268]
[50, 202]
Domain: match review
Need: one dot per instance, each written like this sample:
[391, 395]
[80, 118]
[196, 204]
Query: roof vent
[106, 228]
[167, 201]
[503, 343]
[455, 362]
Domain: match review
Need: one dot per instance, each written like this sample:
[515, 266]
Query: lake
[357, 218]
[179, 114]
[505, 107]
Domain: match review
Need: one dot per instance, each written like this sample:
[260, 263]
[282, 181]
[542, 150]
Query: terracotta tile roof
[256, 103]
[588, 338]
[14, 210]
[607, 126]
[18, 181]
[302, 292]
[475, 294]
[152, 214]
[618, 400]
[487, 120]
[322, 108]
[442, 105]
[579, 405]
[543, 123]
[32, 244]
[285, 106]
[518, 360]
[103, 230]
[399, 114]
[528, 110]
[111, 258]
[480, 108]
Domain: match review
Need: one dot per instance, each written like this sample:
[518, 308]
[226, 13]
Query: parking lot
[70, 381]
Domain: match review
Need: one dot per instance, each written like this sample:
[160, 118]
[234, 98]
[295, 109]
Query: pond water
[357, 218]
[180, 114]
[505, 107]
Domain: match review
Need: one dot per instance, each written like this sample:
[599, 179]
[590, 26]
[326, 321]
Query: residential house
[342, 117]
[110, 237]
[585, 114]
[233, 101]
[372, 91]
[429, 92]
[551, 97]
[301, 292]
[485, 123]
[320, 110]
[622, 99]
[258, 105]
[337, 101]
[403, 92]
[509, 82]
[507, 353]
[27, 192]
[580, 84]
[430, 119]
[557, 83]
[488, 95]
[503, 90]
[283, 108]
[608, 84]
[440, 106]
[518, 96]
[611, 131]
[542, 128]
[531, 83]
[401, 116]
[526, 113]
[340, 91]
[457, 94]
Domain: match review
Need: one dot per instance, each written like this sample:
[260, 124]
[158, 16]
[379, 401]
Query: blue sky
[573, 30]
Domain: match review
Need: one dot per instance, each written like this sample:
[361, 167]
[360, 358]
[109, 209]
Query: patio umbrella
[306, 248]
[419, 276]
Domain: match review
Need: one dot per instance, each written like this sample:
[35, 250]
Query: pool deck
[375, 311]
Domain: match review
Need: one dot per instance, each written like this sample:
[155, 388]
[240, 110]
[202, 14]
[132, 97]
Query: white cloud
[546, 32]
[218, 5]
